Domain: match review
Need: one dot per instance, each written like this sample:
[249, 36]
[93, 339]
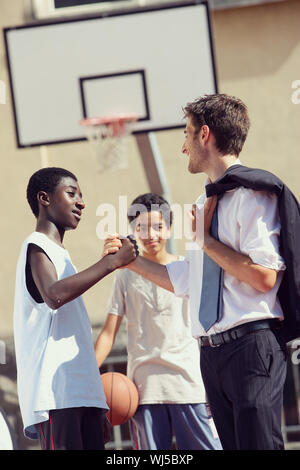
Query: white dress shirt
[249, 223]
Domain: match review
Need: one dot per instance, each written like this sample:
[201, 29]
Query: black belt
[234, 333]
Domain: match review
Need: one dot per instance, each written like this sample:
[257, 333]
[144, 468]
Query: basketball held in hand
[121, 397]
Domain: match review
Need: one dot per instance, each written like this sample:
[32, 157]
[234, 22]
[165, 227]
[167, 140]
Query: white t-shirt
[56, 363]
[249, 223]
[163, 357]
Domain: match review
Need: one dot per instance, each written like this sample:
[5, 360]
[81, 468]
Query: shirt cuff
[267, 260]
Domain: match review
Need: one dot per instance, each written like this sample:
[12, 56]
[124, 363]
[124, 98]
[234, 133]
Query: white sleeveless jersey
[56, 363]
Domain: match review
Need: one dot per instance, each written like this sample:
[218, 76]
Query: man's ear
[204, 133]
[43, 198]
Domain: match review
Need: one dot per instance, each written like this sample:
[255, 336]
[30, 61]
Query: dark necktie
[211, 303]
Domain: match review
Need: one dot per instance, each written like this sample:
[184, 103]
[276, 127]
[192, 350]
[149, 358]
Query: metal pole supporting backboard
[154, 170]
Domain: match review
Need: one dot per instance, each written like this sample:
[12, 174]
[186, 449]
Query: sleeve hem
[277, 265]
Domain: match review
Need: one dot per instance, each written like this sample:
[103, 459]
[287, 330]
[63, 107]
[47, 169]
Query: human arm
[106, 337]
[56, 293]
[239, 265]
[155, 272]
[150, 270]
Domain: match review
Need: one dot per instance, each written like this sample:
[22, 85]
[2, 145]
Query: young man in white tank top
[59, 386]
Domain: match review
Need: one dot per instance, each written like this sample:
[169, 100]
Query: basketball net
[108, 137]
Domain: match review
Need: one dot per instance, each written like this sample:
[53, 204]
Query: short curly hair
[45, 179]
[150, 202]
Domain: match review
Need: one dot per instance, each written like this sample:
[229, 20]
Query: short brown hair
[226, 116]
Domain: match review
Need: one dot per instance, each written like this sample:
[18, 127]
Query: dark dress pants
[244, 382]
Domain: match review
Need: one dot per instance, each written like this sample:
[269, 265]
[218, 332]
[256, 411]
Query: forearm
[155, 272]
[103, 346]
[67, 289]
[239, 265]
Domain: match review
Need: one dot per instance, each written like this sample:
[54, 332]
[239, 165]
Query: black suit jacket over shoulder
[289, 212]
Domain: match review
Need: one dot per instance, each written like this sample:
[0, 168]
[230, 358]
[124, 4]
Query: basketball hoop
[108, 138]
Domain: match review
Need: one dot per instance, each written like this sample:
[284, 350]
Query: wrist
[112, 262]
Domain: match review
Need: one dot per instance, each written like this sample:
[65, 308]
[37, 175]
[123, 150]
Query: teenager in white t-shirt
[163, 357]
[59, 387]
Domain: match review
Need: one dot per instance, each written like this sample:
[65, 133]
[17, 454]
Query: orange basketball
[121, 397]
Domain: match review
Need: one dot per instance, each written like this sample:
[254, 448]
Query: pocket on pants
[268, 347]
[253, 355]
[264, 351]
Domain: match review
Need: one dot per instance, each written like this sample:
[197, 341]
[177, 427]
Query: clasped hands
[113, 242]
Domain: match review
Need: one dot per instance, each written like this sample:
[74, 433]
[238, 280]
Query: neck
[51, 230]
[219, 165]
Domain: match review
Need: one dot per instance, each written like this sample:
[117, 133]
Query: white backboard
[150, 61]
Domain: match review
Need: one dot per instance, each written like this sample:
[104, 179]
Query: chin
[72, 227]
[192, 170]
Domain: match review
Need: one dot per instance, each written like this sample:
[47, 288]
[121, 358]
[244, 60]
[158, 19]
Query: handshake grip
[124, 254]
[128, 251]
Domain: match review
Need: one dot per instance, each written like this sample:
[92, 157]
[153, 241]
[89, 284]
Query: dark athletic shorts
[73, 429]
